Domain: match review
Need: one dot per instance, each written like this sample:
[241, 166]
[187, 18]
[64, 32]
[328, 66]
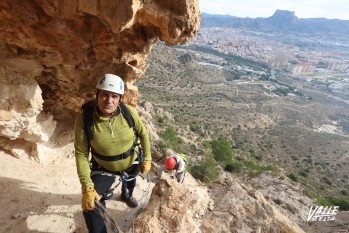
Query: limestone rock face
[240, 208]
[22, 122]
[293, 204]
[175, 207]
[225, 206]
[145, 110]
[59, 49]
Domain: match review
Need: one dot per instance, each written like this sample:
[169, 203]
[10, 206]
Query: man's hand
[145, 166]
[89, 195]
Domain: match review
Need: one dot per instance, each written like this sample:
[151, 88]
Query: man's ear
[97, 94]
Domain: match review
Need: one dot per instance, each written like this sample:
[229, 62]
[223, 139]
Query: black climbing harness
[88, 108]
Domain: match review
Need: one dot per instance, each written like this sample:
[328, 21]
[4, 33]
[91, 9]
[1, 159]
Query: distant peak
[284, 15]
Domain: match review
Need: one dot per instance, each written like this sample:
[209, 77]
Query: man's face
[108, 102]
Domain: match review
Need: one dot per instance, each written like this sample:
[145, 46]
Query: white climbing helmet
[112, 83]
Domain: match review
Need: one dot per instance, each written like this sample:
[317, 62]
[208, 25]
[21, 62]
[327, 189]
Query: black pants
[103, 183]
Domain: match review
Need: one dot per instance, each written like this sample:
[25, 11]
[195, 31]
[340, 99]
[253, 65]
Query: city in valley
[316, 58]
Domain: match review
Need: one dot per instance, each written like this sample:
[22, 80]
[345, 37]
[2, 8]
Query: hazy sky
[331, 9]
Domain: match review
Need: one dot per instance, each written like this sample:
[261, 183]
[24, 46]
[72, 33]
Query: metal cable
[111, 224]
[141, 203]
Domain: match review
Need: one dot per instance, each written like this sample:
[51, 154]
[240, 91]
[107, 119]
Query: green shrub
[160, 119]
[206, 144]
[293, 177]
[342, 203]
[170, 138]
[281, 91]
[278, 201]
[221, 150]
[303, 173]
[193, 126]
[169, 134]
[234, 167]
[206, 170]
[256, 167]
[233, 76]
[334, 201]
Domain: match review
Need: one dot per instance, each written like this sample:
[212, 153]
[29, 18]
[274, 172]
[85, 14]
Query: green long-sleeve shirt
[111, 136]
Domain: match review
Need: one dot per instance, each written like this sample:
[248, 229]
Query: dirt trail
[45, 197]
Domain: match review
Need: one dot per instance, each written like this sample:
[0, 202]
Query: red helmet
[170, 163]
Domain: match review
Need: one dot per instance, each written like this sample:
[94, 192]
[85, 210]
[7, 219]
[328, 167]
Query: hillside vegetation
[272, 123]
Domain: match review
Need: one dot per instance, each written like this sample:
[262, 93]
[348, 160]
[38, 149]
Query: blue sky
[331, 9]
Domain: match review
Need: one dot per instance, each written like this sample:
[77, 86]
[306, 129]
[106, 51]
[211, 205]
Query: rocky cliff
[52, 53]
[226, 206]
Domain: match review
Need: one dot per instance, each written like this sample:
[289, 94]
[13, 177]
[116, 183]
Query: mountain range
[282, 21]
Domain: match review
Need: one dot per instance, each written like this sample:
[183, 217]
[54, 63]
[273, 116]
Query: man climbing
[110, 130]
[175, 164]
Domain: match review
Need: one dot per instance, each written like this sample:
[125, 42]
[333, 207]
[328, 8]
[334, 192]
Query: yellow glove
[145, 166]
[89, 195]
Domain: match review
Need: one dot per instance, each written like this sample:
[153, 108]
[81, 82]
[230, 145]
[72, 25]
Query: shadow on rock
[25, 210]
